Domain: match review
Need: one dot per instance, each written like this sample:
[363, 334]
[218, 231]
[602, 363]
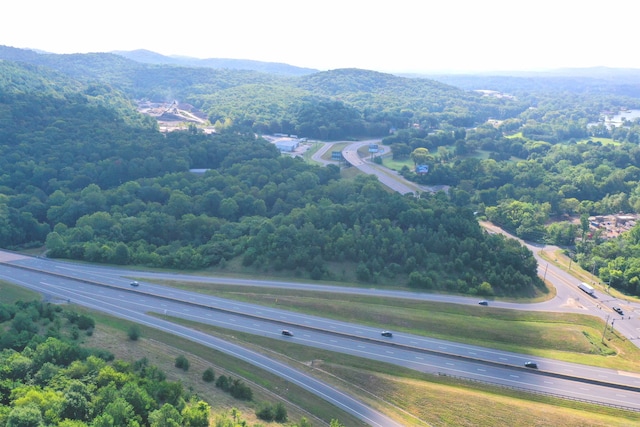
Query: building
[286, 144]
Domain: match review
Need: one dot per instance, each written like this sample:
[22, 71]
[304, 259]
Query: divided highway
[135, 306]
[80, 283]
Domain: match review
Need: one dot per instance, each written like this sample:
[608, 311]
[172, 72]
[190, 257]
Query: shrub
[208, 375]
[223, 383]
[134, 332]
[182, 363]
[240, 390]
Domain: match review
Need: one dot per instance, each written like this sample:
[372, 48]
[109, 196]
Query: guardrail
[542, 393]
[350, 336]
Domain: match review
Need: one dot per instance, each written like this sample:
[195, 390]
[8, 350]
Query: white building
[286, 144]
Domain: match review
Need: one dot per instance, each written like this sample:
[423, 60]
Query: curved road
[568, 298]
[121, 303]
[72, 281]
[417, 352]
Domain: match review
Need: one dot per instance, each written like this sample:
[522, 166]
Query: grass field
[10, 293]
[415, 399]
[419, 399]
[162, 349]
[562, 336]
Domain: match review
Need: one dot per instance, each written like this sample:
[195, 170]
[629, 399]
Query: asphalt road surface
[421, 353]
[134, 306]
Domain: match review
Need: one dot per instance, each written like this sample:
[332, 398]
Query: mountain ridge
[149, 57]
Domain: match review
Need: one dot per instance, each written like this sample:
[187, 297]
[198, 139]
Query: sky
[412, 36]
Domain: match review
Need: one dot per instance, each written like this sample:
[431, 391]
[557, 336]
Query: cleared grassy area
[563, 336]
[10, 293]
[396, 165]
[339, 146]
[413, 398]
[161, 349]
[419, 399]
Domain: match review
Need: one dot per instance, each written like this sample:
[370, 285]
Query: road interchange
[107, 289]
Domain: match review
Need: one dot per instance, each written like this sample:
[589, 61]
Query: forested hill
[148, 57]
[83, 172]
[367, 103]
[596, 81]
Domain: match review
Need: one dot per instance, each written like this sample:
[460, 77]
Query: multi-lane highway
[107, 289]
[568, 298]
[116, 298]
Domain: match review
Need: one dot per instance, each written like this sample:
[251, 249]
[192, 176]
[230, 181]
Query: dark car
[618, 310]
[287, 333]
[386, 334]
[483, 302]
[532, 365]
[135, 283]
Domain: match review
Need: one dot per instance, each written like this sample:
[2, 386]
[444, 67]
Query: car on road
[618, 310]
[386, 334]
[483, 302]
[532, 365]
[287, 333]
[134, 283]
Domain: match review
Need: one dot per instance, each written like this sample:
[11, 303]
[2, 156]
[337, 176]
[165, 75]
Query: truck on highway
[587, 288]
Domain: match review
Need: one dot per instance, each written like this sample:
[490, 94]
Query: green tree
[223, 383]
[208, 375]
[133, 332]
[122, 413]
[24, 321]
[166, 416]
[25, 416]
[280, 413]
[55, 244]
[182, 363]
[121, 254]
[485, 289]
[196, 414]
[75, 406]
[139, 399]
[420, 156]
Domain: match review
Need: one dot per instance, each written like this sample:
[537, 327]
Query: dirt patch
[573, 303]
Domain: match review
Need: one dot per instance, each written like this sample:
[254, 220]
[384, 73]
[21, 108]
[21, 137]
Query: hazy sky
[393, 36]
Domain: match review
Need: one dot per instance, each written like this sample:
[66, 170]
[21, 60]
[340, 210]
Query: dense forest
[329, 105]
[103, 187]
[48, 378]
[84, 172]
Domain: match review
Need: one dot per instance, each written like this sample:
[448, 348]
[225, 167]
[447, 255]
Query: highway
[107, 289]
[132, 306]
[76, 282]
[568, 298]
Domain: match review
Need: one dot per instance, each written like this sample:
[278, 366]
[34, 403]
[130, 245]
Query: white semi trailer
[587, 288]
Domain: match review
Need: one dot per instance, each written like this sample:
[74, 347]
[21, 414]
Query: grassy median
[419, 399]
[563, 336]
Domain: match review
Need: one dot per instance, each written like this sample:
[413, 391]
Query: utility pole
[544, 279]
[605, 328]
